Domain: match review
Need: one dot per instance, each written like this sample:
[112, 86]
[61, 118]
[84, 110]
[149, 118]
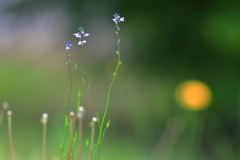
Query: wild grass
[70, 121]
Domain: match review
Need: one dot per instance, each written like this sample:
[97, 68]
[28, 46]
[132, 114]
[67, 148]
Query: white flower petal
[121, 19]
[77, 35]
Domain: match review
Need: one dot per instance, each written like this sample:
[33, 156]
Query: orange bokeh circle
[193, 94]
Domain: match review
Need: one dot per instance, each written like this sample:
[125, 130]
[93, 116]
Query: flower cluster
[67, 45]
[81, 34]
[117, 19]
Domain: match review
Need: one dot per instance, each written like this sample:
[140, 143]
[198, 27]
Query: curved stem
[70, 77]
[66, 104]
[100, 136]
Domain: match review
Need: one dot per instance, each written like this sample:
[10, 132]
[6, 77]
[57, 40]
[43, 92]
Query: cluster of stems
[103, 126]
[70, 121]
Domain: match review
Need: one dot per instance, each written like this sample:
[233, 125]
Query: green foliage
[76, 66]
[73, 144]
[87, 142]
[108, 124]
[66, 123]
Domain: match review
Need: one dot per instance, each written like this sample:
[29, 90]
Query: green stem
[66, 104]
[100, 136]
[64, 141]
[77, 108]
[78, 73]
[71, 122]
[78, 100]
[70, 77]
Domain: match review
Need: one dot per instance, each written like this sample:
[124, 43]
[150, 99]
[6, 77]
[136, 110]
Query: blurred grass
[138, 112]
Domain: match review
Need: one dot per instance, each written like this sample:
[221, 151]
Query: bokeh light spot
[193, 94]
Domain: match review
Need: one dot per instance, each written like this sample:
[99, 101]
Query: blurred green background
[163, 43]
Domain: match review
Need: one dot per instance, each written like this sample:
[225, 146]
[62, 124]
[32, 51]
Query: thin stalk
[44, 138]
[80, 126]
[70, 77]
[63, 146]
[80, 139]
[92, 125]
[71, 122]
[70, 150]
[44, 142]
[89, 98]
[71, 127]
[100, 136]
[73, 144]
[78, 107]
[10, 134]
[67, 103]
[72, 140]
[79, 71]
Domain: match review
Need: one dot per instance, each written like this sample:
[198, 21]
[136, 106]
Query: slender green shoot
[79, 70]
[70, 77]
[117, 19]
[62, 147]
[73, 144]
[80, 34]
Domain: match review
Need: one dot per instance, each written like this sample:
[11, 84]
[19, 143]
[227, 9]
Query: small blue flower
[117, 19]
[67, 45]
[80, 29]
[81, 34]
